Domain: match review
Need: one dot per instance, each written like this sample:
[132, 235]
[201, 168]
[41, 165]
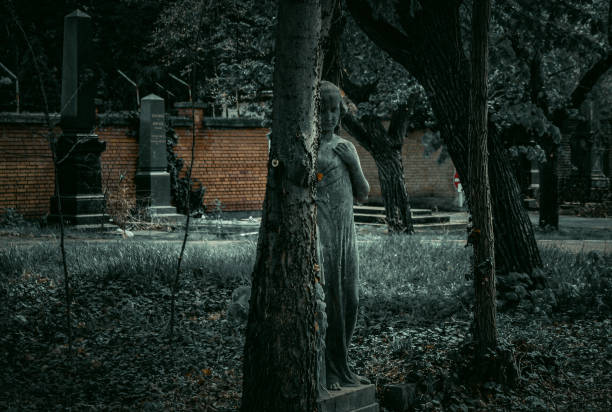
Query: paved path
[582, 225]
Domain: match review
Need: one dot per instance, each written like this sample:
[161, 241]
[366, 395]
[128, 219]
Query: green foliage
[582, 284]
[229, 45]
[385, 85]
[11, 219]
[540, 51]
[121, 292]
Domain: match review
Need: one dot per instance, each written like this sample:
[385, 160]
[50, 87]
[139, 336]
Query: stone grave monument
[599, 181]
[340, 179]
[152, 179]
[78, 150]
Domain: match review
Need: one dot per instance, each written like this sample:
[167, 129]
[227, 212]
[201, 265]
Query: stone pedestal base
[153, 195]
[350, 399]
[153, 187]
[80, 210]
[600, 185]
[163, 214]
[600, 182]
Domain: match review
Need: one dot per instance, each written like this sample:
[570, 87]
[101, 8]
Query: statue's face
[330, 111]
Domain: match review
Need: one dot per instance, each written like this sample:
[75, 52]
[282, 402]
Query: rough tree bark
[279, 355]
[482, 237]
[430, 48]
[385, 146]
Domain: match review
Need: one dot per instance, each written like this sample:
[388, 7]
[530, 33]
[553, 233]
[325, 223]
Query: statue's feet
[333, 381]
[335, 386]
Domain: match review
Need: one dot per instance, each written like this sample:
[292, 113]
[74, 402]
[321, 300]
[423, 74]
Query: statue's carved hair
[329, 87]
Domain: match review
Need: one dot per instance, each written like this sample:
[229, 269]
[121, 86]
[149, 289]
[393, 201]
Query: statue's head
[330, 106]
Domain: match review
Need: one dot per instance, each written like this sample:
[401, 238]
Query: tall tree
[385, 146]
[279, 356]
[429, 45]
[485, 331]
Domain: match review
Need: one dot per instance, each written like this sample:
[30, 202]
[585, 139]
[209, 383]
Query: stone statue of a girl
[340, 180]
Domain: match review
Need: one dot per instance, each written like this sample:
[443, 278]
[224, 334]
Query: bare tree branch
[589, 79]
[389, 38]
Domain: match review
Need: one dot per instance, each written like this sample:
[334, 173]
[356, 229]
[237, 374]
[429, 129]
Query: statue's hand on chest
[327, 159]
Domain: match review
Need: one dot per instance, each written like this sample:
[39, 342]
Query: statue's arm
[347, 152]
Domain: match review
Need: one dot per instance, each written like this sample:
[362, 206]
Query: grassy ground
[414, 317]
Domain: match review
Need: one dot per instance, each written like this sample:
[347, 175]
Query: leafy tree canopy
[541, 52]
[230, 45]
[121, 30]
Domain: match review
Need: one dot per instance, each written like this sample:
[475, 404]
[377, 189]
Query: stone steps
[421, 218]
[371, 218]
[446, 226]
[379, 210]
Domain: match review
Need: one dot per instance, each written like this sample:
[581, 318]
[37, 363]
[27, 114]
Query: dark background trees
[122, 31]
[234, 52]
[146, 40]
[548, 58]
[429, 45]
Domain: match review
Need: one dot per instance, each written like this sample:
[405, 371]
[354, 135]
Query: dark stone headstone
[78, 83]
[152, 179]
[78, 151]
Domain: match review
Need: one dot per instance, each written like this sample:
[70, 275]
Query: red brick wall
[26, 169]
[229, 162]
[119, 160]
[424, 176]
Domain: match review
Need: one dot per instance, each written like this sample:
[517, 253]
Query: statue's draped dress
[340, 264]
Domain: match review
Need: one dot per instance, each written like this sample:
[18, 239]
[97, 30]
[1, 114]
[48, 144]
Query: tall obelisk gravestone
[78, 150]
[152, 179]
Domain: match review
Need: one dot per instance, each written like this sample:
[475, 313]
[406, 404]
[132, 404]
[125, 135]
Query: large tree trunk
[482, 237]
[393, 188]
[432, 52]
[516, 249]
[280, 357]
[385, 146]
